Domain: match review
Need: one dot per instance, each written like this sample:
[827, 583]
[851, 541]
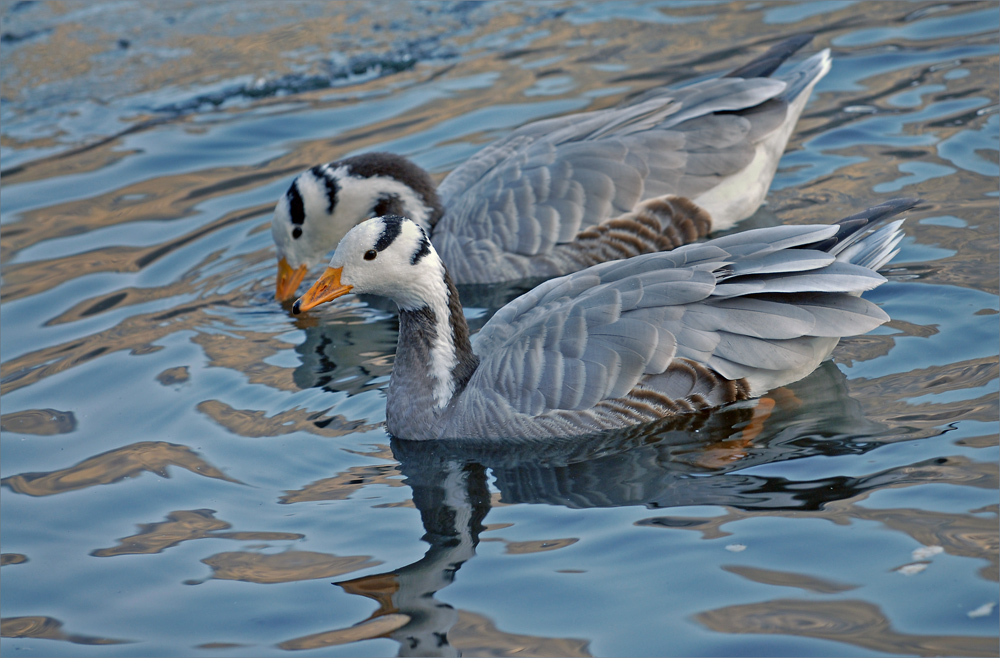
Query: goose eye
[371, 254]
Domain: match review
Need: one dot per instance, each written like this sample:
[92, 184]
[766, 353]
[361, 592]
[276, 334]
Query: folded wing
[761, 308]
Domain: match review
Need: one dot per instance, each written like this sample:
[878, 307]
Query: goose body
[619, 343]
[562, 194]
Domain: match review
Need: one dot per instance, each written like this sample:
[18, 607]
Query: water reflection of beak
[288, 280]
[326, 289]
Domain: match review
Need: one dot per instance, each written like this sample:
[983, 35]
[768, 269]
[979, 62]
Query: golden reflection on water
[12, 558]
[47, 628]
[182, 526]
[343, 485]
[788, 579]
[285, 567]
[40, 422]
[136, 334]
[855, 622]
[113, 466]
[256, 424]
[476, 635]
[35, 277]
[368, 629]
[472, 634]
[534, 545]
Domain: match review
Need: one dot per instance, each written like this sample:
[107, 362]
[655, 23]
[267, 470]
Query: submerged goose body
[562, 194]
[619, 343]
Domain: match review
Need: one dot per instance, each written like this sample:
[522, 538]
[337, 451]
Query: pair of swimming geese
[635, 319]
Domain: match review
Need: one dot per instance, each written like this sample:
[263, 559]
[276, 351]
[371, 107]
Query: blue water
[188, 469]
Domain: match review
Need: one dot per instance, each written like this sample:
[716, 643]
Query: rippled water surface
[188, 469]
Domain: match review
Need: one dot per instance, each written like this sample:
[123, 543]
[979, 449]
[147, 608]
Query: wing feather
[764, 308]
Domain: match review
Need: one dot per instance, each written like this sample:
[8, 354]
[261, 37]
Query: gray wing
[593, 336]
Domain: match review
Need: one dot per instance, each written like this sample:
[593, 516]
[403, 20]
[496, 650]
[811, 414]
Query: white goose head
[388, 256]
[392, 257]
[325, 202]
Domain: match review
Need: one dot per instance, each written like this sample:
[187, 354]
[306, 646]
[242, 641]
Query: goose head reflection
[350, 347]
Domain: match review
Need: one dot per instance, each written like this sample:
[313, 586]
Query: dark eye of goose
[371, 254]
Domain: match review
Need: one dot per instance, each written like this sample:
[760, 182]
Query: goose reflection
[453, 500]
[349, 350]
[692, 460]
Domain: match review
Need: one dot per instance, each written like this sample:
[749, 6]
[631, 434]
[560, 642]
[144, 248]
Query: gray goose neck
[434, 361]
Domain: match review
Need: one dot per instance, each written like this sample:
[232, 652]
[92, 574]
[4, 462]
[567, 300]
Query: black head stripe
[388, 204]
[322, 172]
[422, 250]
[393, 226]
[295, 207]
[389, 165]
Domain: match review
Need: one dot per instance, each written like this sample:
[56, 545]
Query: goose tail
[856, 242]
[773, 121]
[804, 75]
[799, 78]
[766, 64]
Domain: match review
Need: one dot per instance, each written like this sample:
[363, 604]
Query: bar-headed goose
[618, 343]
[562, 194]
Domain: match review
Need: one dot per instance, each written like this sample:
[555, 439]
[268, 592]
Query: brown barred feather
[643, 403]
[657, 224]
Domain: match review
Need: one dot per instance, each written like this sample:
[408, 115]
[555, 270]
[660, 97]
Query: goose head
[392, 257]
[389, 256]
[325, 202]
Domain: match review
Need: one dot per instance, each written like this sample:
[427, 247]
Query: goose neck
[434, 361]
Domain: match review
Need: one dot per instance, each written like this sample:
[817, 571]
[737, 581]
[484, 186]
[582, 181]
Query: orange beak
[288, 280]
[326, 289]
